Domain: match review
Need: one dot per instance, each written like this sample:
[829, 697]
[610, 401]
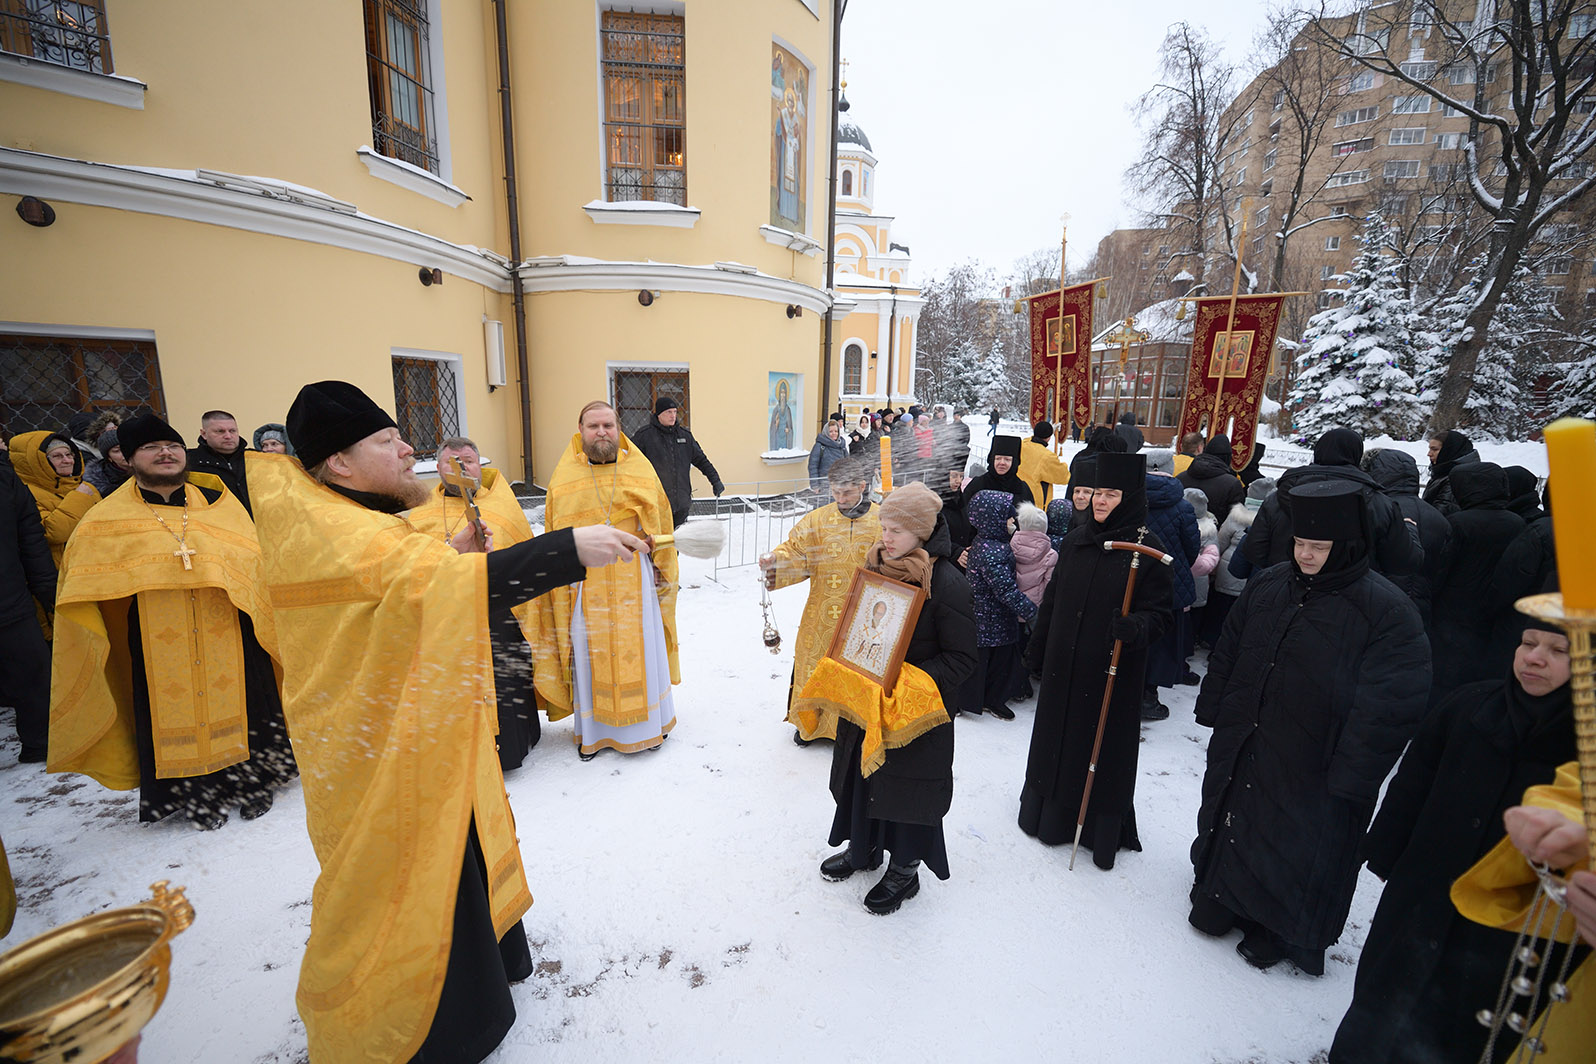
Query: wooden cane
[1137, 550]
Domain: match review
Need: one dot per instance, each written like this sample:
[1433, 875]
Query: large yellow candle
[1571, 456]
[886, 460]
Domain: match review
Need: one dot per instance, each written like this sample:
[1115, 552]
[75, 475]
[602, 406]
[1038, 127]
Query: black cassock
[1425, 969]
[271, 760]
[1070, 647]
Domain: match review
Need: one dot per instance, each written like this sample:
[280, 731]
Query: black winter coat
[1211, 475]
[1462, 627]
[228, 467]
[1526, 567]
[27, 571]
[1312, 693]
[1127, 431]
[1398, 476]
[1396, 543]
[915, 785]
[673, 453]
[1456, 451]
[1425, 970]
[1070, 647]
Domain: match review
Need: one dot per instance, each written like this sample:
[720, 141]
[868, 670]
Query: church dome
[850, 132]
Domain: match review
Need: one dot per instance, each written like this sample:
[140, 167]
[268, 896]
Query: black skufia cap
[1327, 510]
[146, 428]
[329, 416]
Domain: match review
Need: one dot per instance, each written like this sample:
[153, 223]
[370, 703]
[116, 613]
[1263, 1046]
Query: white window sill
[113, 89]
[414, 178]
[642, 212]
[785, 238]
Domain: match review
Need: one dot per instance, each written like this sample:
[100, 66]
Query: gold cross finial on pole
[844, 82]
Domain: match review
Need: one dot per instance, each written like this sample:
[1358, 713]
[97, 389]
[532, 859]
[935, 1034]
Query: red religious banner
[1061, 356]
[1230, 365]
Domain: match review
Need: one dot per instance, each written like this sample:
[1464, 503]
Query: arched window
[847, 182]
[853, 368]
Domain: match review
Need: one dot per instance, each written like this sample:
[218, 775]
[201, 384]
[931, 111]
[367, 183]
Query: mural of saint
[789, 133]
[785, 398]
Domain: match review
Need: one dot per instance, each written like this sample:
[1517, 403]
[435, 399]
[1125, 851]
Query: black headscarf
[1010, 482]
[1338, 447]
[1454, 448]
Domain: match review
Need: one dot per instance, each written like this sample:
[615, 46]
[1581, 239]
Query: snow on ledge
[642, 212]
[409, 176]
[785, 455]
[118, 90]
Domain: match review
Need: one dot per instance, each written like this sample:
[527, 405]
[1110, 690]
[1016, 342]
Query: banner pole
[1058, 367]
[1230, 324]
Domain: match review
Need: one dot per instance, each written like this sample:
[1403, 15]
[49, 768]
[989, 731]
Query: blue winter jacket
[1000, 605]
[822, 456]
[1171, 518]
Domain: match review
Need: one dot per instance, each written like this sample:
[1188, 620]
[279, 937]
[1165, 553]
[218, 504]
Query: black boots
[901, 883]
[1152, 708]
[838, 867]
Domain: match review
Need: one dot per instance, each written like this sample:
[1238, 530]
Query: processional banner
[1230, 362]
[1061, 355]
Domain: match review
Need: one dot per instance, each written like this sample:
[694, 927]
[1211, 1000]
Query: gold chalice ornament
[82, 992]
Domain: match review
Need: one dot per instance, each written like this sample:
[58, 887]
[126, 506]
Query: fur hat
[913, 507]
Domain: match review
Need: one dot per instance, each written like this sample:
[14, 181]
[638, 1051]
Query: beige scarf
[912, 568]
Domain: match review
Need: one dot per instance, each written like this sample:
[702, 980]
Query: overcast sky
[993, 118]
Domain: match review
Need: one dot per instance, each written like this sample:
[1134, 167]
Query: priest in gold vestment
[444, 514]
[824, 548]
[415, 928]
[605, 650]
[158, 678]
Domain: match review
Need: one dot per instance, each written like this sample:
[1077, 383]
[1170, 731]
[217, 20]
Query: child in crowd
[1228, 583]
[1207, 560]
[1034, 553]
[1059, 513]
[1000, 606]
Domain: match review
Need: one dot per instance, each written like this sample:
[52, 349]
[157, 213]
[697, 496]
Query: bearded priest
[159, 680]
[606, 648]
[441, 516]
[415, 924]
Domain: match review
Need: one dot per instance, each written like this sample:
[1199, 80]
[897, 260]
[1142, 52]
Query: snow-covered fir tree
[1355, 369]
[999, 387]
[1495, 407]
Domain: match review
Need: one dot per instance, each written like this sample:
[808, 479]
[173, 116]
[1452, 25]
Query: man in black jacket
[1395, 547]
[1210, 473]
[671, 449]
[220, 452]
[27, 574]
[1127, 431]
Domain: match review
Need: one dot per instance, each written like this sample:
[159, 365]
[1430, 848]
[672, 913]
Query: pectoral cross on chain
[185, 552]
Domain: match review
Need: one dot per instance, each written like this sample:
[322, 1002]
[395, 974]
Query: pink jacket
[1034, 558]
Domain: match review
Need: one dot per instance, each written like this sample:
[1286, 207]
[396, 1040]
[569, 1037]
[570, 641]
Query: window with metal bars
[426, 401]
[399, 75]
[69, 33]
[44, 380]
[635, 391]
[853, 356]
[645, 107]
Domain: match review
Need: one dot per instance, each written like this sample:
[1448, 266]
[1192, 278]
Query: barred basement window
[399, 76]
[645, 107]
[426, 401]
[69, 33]
[635, 391]
[44, 380]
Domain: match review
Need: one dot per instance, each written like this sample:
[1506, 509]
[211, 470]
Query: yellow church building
[878, 306]
[483, 214]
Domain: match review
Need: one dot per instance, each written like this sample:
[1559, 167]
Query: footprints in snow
[550, 979]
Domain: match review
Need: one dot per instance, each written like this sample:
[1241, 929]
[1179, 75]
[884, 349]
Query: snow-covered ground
[680, 913]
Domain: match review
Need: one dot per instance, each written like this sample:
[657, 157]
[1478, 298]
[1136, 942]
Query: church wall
[728, 344]
[242, 320]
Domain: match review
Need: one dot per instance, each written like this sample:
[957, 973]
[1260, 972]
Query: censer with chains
[771, 635]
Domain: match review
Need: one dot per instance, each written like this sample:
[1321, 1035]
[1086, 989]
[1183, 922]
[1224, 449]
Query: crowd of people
[204, 606]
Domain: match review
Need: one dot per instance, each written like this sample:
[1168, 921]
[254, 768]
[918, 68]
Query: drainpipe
[892, 346]
[518, 292]
[839, 6]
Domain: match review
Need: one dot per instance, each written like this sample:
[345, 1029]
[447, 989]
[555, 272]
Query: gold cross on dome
[185, 552]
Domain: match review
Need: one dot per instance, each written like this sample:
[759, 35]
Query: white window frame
[1401, 169]
[1407, 135]
[1332, 243]
[1410, 105]
[456, 363]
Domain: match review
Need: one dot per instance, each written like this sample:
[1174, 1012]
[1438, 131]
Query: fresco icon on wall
[789, 139]
[786, 403]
